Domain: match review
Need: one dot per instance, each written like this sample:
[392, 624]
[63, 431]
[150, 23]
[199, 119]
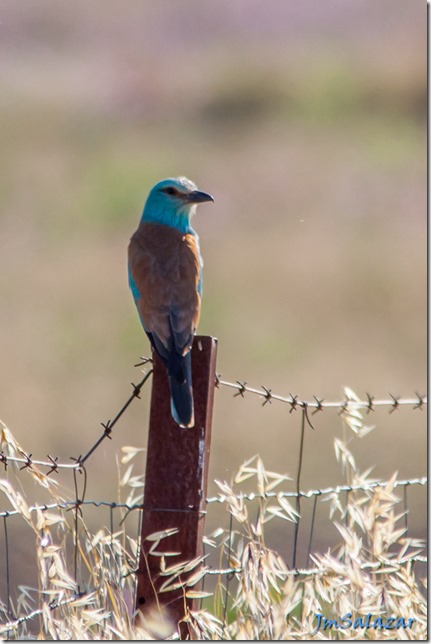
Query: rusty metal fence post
[176, 482]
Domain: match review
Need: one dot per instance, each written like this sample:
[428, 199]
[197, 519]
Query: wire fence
[349, 408]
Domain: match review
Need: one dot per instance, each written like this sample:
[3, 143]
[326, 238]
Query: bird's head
[173, 202]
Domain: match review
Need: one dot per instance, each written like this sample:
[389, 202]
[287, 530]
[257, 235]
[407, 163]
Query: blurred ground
[306, 121]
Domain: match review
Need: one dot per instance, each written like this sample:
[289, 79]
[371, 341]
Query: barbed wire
[53, 464]
[319, 404]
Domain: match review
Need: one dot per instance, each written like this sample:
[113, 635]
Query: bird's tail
[180, 382]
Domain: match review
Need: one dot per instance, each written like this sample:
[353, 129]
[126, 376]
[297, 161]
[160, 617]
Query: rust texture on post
[176, 481]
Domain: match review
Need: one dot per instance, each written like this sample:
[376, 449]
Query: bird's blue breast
[200, 283]
[135, 292]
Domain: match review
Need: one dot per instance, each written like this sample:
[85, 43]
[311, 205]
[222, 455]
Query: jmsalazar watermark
[365, 621]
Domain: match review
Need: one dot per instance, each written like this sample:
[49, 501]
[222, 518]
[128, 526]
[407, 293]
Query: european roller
[165, 277]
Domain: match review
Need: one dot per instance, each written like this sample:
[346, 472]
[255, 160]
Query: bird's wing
[164, 267]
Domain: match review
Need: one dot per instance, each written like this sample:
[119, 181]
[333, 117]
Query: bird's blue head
[172, 202]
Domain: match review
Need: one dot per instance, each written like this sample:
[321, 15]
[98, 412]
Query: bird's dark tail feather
[180, 382]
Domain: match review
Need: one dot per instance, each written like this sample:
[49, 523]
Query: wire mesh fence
[232, 554]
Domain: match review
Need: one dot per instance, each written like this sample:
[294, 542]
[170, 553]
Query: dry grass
[369, 572]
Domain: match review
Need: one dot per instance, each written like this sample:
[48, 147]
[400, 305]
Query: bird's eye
[170, 191]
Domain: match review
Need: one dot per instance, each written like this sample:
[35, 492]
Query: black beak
[197, 196]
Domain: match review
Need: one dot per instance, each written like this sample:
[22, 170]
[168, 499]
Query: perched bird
[165, 277]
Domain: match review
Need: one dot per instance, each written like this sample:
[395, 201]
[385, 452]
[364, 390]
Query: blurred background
[306, 121]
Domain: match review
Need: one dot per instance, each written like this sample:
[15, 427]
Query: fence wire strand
[15, 623]
[307, 572]
[67, 505]
[298, 483]
[221, 498]
[320, 404]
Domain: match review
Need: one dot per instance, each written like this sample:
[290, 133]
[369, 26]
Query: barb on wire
[3, 460]
[370, 401]
[54, 467]
[27, 461]
[107, 427]
[319, 404]
[144, 361]
[421, 401]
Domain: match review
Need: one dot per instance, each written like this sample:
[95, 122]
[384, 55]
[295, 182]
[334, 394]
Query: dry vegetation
[370, 572]
[307, 122]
